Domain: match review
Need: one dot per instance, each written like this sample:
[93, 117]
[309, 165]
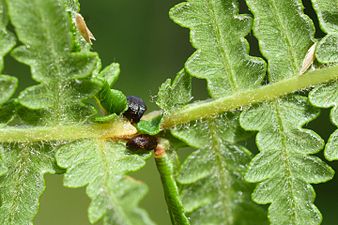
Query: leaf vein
[290, 48]
[286, 161]
[222, 172]
[223, 50]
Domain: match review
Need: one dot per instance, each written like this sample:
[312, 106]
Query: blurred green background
[150, 48]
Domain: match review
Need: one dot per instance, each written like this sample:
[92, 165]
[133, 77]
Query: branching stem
[205, 109]
[121, 129]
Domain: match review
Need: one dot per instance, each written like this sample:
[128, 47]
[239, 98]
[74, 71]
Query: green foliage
[54, 126]
[66, 78]
[284, 168]
[72, 5]
[284, 33]
[110, 74]
[327, 14]
[43, 27]
[328, 18]
[8, 85]
[326, 95]
[217, 32]
[213, 187]
[23, 183]
[7, 40]
[100, 165]
[21, 166]
[327, 49]
[175, 94]
[151, 127]
[112, 101]
[166, 161]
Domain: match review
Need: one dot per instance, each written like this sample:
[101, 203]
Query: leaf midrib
[222, 47]
[222, 172]
[51, 44]
[114, 206]
[279, 21]
[57, 63]
[285, 159]
[17, 185]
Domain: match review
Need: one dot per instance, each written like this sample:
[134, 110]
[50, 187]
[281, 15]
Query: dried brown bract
[83, 29]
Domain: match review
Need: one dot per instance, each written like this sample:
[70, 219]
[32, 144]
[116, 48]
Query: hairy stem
[119, 129]
[165, 168]
[205, 109]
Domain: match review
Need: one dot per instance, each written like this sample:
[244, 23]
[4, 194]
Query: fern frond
[326, 96]
[22, 183]
[212, 177]
[8, 84]
[175, 94]
[216, 192]
[284, 168]
[7, 40]
[44, 29]
[102, 165]
[217, 32]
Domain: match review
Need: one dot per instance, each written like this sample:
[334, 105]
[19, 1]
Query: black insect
[142, 142]
[136, 109]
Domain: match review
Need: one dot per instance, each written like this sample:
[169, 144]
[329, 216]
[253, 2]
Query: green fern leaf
[212, 178]
[216, 193]
[110, 74]
[43, 27]
[212, 187]
[101, 165]
[327, 14]
[7, 40]
[217, 32]
[174, 94]
[284, 168]
[284, 164]
[327, 51]
[22, 167]
[8, 84]
[326, 96]
[283, 44]
[3, 168]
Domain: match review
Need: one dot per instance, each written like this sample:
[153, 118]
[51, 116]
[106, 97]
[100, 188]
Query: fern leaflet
[284, 33]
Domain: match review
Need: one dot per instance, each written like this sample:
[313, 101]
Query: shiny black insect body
[136, 109]
[142, 142]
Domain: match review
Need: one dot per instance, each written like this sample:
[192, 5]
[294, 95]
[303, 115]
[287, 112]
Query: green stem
[209, 108]
[165, 168]
[119, 129]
